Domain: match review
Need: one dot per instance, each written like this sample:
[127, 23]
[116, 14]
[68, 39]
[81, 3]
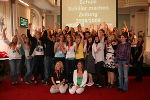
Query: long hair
[61, 66]
[67, 43]
[89, 44]
[82, 66]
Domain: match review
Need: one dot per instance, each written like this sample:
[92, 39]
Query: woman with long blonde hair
[58, 79]
[14, 57]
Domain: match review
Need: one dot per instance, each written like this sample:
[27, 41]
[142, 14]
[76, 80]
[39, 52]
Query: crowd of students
[75, 59]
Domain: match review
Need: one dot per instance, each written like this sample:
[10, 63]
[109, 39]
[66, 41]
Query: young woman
[70, 58]
[110, 61]
[59, 49]
[79, 79]
[28, 59]
[89, 61]
[139, 51]
[58, 79]
[123, 59]
[14, 57]
[98, 54]
[79, 48]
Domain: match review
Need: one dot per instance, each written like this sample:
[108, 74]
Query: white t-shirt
[98, 51]
[70, 51]
[13, 53]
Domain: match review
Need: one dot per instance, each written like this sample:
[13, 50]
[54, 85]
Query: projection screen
[85, 12]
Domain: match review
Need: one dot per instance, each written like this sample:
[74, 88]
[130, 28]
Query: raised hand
[4, 33]
[29, 25]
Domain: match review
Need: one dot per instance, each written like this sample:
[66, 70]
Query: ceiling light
[24, 3]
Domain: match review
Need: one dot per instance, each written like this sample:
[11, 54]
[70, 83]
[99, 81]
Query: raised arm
[4, 33]
[82, 37]
[28, 31]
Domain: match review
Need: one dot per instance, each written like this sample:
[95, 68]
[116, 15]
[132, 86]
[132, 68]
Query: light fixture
[24, 3]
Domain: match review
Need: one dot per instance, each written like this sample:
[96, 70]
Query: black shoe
[112, 85]
[119, 89]
[108, 85]
[124, 90]
[138, 80]
[46, 83]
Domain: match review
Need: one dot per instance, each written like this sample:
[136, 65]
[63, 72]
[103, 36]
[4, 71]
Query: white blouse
[13, 53]
[70, 51]
[98, 51]
[84, 80]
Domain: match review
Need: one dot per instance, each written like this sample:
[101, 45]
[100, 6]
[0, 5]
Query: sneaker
[90, 84]
[99, 86]
[46, 83]
[12, 83]
[21, 79]
[27, 82]
[96, 84]
[35, 82]
[16, 82]
[108, 85]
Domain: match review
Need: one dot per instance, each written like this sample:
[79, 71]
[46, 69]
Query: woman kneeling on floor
[79, 79]
[58, 79]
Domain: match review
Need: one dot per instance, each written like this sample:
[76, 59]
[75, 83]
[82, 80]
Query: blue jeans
[48, 67]
[123, 75]
[28, 74]
[14, 69]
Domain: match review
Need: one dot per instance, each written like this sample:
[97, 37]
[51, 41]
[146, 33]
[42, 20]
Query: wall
[22, 11]
[5, 13]
[139, 20]
[122, 18]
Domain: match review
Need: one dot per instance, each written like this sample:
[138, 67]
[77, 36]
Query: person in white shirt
[14, 57]
[79, 79]
[70, 58]
[98, 54]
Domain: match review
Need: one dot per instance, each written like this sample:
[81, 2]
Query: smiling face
[123, 39]
[69, 38]
[78, 39]
[61, 38]
[15, 39]
[38, 35]
[57, 66]
[90, 39]
[96, 39]
[79, 66]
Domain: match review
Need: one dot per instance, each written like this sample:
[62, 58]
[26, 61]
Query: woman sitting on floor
[79, 79]
[58, 79]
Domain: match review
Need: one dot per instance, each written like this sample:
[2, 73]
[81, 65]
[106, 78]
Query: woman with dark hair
[79, 79]
[89, 60]
[139, 58]
[79, 47]
[98, 54]
[123, 59]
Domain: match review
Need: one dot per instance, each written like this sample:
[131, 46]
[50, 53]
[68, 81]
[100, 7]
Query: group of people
[75, 59]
